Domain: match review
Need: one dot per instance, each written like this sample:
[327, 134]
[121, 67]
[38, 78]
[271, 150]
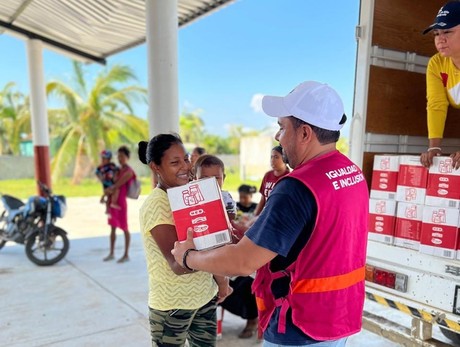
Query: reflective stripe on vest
[260, 304]
[327, 284]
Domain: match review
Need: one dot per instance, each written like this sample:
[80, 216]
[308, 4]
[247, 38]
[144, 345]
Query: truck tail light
[386, 278]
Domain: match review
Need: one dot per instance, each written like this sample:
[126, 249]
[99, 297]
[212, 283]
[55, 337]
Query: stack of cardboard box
[414, 207]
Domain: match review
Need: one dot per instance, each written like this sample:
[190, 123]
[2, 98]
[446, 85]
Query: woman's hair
[125, 150]
[278, 149]
[154, 150]
[247, 189]
[207, 160]
[199, 150]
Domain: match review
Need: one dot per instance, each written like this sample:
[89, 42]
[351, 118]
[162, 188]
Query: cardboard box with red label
[439, 231]
[443, 187]
[412, 180]
[382, 220]
[408, 227]
[384, 177]
[199, 205]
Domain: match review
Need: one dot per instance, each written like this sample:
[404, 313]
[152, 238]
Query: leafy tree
[215, 144]
[191, 127]
[94, 117]
[14, 119]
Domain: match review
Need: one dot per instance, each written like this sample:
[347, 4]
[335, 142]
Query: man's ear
[307, 132]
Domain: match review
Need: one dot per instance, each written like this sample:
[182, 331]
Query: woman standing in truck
[443, 79]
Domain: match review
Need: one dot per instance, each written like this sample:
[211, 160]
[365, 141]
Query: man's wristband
[184, 258]
[434, 149]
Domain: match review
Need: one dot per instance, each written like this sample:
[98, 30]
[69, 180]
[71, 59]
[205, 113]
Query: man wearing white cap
[309, 244]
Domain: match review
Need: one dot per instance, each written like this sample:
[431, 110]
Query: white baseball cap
[313, 102]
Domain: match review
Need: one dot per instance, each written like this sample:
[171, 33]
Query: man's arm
[240, 259]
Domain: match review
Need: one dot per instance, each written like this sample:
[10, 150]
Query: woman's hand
[224, 288]
[240, 228]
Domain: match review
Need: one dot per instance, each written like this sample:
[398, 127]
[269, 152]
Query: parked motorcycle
[32, 224]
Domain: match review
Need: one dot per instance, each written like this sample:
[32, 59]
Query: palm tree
[94, 117]
[191, 127]
[14, 119]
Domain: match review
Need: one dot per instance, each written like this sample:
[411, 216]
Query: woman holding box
[182, 302]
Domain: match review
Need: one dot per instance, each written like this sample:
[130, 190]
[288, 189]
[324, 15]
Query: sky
[229, 59]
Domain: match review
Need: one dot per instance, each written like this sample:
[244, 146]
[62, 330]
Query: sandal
[109, 257]
[123, 259]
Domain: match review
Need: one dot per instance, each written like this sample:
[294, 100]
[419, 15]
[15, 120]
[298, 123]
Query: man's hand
[455, 160]
[181, 246]
[426, 158]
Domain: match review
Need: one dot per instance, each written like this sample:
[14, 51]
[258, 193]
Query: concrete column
[39, 116]
[161, 36]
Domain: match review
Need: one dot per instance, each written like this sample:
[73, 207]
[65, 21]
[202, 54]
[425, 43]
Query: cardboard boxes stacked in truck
[425, 203]
[441, 214]
[382, 203]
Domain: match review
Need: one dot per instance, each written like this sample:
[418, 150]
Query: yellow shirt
[442, 89]
[167, 290]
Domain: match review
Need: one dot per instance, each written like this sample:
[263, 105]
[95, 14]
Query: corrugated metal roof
[92, 29]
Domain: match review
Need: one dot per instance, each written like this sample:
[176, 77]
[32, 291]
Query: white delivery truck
[389, 117]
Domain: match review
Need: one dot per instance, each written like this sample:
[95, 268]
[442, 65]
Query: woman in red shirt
[279, 169]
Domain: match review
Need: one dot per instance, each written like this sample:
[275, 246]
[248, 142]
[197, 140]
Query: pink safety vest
[326, 292]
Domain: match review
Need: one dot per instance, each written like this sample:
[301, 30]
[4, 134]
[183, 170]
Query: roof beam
[54, 43]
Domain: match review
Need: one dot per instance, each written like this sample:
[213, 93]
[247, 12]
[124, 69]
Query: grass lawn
[23, 188]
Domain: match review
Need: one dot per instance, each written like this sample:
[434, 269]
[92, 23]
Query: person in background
[182, 303]
[106, 172]
[245, 203]
[279, 169]
[211, 166]
[196, 153]
[241, 301]
[245, 206]
[118, 217]
[442, 79]
[309, 243]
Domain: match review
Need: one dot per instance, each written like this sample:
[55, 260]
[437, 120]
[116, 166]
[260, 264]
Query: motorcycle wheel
[2, 226]
[2, 242]
[47, 252]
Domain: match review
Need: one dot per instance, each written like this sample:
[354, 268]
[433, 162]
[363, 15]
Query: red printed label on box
[200, 219]
[381, 220]
[412, 179]
[443, 187]
[199, 205]
[408, 225]
[384, 176]
[439, 231]
[411, 172]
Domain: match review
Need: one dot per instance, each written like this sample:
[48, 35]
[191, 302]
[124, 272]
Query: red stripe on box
[205, 218]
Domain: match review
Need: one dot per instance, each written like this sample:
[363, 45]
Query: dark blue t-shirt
[284, 227]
